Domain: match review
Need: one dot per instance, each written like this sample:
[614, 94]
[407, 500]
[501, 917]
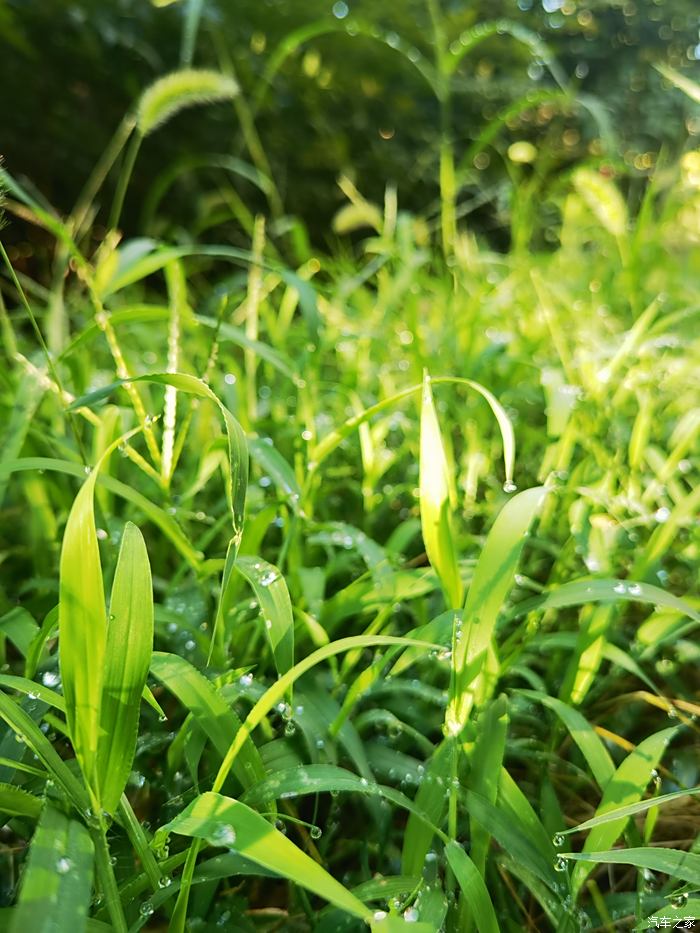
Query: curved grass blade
[673, 862]
[435, 505]
[493, 578]
[592, 590]
[626, 786]
[222, 821]
[127, 660]
[56, 886]
[623, 812]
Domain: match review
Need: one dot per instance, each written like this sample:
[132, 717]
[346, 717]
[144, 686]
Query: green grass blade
[435, 505]
[623, 812]
[222, 821]
[275, 607]
[486, 764]
[56, 886]
[473, 889]
[673, 862]
[127, 660]
[14, 801]
[211, 712]
[492, 580]
[82, 624]
[584, 735]
[625, 787]
[27, 730]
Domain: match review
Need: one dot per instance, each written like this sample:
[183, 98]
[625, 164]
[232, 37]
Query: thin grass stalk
[178, 298]
[105, 873]
[124, 179]
[252, 315]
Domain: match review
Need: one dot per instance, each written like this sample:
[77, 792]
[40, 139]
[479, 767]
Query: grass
[401, 546]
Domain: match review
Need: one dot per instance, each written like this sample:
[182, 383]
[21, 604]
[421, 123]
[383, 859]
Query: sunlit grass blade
[222, 821]
[492, 580]
[82, 623]
[55, 892]
[625, 787]
[127, 660]
[435, 504]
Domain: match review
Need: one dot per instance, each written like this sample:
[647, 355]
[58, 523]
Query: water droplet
[306, 435]
[245, 680]
[268, 578]
[290, 728]
[63, 865]
[165, 881]
[230, 379]
[380, 915]
[146, 909]
[560, 864]
[411, 915]
[634, 589]
[223, 835]
[620, 588]
[679, 900]
[661, 515]
[268, 624]
[315, 832]
[558, 840]
[111, 617]
[509, 486]
[113, 860]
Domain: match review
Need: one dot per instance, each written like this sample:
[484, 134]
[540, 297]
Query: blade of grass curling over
[127, 660]
[222, 821]
[625, 787]
[57, 882]
[435, 504]
[491, 582]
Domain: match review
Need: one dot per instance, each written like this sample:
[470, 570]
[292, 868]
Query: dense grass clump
[358, 590]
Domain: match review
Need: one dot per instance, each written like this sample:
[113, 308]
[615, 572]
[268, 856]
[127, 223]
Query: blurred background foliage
[348, 101]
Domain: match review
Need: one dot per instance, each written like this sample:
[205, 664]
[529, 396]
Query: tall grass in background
[401, 549]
